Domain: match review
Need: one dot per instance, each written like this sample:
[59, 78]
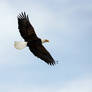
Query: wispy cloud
[79, 85]
[83, 85]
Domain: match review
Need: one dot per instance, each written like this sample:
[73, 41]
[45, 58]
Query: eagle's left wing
[25, 28]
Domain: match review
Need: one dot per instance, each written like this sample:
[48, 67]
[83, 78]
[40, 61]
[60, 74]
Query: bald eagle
[31, 40]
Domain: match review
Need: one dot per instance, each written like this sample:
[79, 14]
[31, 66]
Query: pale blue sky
[68, 26]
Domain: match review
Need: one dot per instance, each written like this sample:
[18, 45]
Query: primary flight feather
[31, 40]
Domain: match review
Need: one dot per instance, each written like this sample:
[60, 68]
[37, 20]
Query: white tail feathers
[20, 45]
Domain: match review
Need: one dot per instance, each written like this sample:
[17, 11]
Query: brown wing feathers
[25, 27]
[43, 54]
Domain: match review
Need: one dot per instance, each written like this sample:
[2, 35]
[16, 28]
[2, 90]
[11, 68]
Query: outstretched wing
[42, 53]
[25, 28]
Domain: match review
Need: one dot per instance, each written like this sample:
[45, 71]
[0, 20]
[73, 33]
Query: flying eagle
[31, 40]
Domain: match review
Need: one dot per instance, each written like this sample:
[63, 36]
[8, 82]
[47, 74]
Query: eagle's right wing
[42, 53]
[25, 28]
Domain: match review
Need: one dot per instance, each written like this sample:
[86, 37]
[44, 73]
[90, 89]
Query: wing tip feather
[23, 15]
[51, 63]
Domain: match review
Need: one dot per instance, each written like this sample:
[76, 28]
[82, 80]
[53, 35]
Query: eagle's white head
[44, 40]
